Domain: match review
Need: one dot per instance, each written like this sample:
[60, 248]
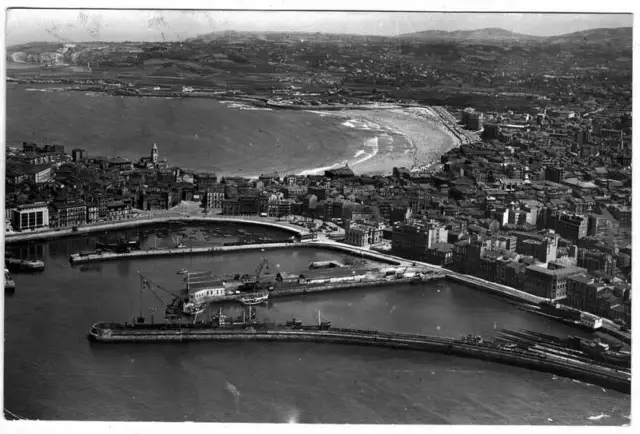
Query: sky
[76, 25]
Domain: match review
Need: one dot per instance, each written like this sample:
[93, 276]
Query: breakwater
[592, 374]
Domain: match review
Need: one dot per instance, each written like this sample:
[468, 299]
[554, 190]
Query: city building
[570, 226]
[554, 174]
[551, 284]
[213, 197]
[68, 214]
[413, 238]
[582, 292]
[30, 217]
[363, 235]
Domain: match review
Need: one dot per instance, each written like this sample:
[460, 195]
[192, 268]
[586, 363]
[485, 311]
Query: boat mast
[319, 322]
[141, 283]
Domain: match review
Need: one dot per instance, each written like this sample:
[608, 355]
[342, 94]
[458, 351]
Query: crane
[172, 310]
[262, 267]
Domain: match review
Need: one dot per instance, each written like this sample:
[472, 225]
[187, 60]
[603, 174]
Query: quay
[494, 288]
[599, 375]
[78, 258]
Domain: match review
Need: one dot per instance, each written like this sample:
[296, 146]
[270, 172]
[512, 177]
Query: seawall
[106, 256]
[599, 376]
[501, 290]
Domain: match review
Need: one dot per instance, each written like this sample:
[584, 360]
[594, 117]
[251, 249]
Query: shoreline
[412, 122]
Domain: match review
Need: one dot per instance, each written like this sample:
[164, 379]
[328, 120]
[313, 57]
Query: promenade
[158, 218]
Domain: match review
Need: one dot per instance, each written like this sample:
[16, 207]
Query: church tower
[154, 154]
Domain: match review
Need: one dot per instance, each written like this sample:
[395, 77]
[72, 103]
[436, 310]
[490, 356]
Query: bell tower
[154, 154]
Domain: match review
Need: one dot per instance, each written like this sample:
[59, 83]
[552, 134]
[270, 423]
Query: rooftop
[557, 272]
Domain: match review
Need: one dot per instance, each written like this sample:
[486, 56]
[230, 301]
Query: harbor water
[52, 372]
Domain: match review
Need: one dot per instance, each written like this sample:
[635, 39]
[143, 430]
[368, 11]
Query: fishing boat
[253, 299]
[18, 264]
[9, 283]
[193, 309]
[182, 271]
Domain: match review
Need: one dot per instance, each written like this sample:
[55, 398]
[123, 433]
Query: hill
[473, 36]
[621, 37]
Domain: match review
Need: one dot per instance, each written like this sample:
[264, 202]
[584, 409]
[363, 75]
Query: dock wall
[106, 256]
[501, 290]
[16, 237]
[588, 374]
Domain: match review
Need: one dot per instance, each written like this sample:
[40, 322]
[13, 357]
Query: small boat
[254, 299]
[9, 283]
[192, 309]
[25, 264]
[182, 271]
[181, 246]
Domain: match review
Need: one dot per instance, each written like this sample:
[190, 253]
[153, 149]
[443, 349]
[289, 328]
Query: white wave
[373, 144]
[262, 109]
[320, 170]
[361, 124]
[600, 416]
[315, 112]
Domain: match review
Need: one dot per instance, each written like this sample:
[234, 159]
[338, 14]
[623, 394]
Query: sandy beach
[417, 139]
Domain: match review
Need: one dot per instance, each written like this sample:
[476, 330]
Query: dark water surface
[52, 372]
[197, 134]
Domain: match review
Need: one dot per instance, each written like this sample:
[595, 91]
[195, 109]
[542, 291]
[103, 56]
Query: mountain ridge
[490, 34]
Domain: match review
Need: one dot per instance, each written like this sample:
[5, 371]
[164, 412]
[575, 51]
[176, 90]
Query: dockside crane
[172, 310]
[263, 267]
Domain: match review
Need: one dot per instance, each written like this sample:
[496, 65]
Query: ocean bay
[201, 134]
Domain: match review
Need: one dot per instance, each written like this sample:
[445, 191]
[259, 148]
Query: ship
[601, 351]
[123, 245]
[18, 264]
[564, 314]
[253, 299]
[219, 327]
[9, 283]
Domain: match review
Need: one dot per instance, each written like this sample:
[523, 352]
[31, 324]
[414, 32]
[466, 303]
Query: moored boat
[9, 283]
[253, 299]
[193, 309]
[24, 264]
